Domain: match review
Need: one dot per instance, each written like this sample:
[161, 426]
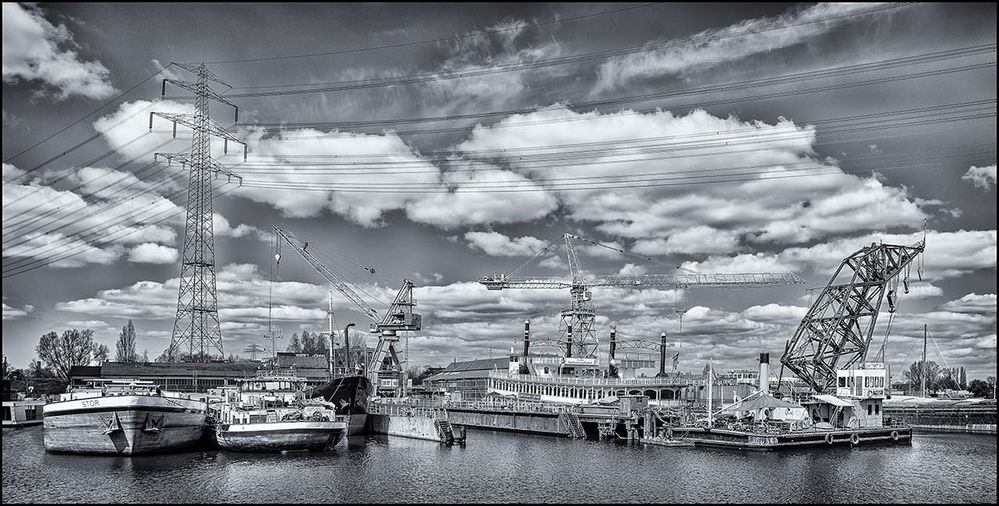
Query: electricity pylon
[197, 323]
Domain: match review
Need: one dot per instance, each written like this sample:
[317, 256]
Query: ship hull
[350, 395]
[122, 425]
[280, 436]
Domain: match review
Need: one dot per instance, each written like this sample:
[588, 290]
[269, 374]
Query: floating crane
[836, 331]
[576, 327]
[399, 317]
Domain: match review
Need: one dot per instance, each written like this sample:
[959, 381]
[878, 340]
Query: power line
[430, 41]
[565, 187]
[603, 152]
[631, 99]
[91, 113]
[69, 253]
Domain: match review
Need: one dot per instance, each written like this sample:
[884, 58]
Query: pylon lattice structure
[197, 329]
[836, 331]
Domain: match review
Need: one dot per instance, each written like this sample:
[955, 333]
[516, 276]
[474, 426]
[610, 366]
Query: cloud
[733, 43]
[947, 255]
[34, 49]
[693, 240]
[982, 177]
[222, 227]
[789, 197]
[151, 253]
[972, 303]
[106, 209]
[13, 313]
[499, 245]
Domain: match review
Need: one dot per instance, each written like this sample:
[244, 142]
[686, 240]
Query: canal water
[498, 467]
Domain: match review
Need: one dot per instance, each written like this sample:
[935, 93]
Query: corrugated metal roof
[471, 369]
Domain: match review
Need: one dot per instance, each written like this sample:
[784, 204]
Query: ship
[270, 413]
[123, 417]
[350, 394]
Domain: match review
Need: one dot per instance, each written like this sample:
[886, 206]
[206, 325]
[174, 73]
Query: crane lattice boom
[836, 331]
[326, 272]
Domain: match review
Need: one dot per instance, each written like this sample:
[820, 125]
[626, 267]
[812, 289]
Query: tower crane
[836, 331]
[399, 317]
[576, 326]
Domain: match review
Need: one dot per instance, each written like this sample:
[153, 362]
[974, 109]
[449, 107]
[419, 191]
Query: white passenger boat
[123, 417]
[269, 413]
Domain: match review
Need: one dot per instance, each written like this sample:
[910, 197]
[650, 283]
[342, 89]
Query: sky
[441, 143]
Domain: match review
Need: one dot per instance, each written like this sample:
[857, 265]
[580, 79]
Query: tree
[980, 388]
[946, 381]
[916, 372]
[101, 353]
[74, 347]
[164, 357]
[145, 355]
[6, 367]
[126, 344]
[308, 342]
[295, 345]
[963, 379]
[37, 370]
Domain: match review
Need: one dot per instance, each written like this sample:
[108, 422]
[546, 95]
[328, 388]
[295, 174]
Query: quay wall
[416, 427]
[971, 428]
[945, 416]
[535, 423]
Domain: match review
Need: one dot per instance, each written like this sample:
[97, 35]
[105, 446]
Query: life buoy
[894, 435]
[829, 439]
[854, 439]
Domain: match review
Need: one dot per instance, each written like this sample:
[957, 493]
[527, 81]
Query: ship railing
[605, 382]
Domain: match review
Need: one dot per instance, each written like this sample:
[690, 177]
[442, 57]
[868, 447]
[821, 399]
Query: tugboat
[122, 417]
[269, 413]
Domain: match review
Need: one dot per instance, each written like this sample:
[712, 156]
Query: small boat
[269, 413]
[122, 417]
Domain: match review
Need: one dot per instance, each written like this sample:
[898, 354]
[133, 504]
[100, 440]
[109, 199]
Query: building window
[870, 410]
[877, 409]
[842, 381]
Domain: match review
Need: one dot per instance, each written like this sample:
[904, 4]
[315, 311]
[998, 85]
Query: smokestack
[568, 342]
[662, 354]
[612, 367]
[527, 346]
[765, 372]
[527, 337]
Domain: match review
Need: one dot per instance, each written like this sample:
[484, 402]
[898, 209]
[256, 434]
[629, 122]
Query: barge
[121, 417]
[270, 413]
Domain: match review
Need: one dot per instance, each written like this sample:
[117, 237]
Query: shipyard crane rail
[399, 316]
[836, 331]
[577, 320]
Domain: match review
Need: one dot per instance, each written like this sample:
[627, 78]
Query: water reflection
[503, 467]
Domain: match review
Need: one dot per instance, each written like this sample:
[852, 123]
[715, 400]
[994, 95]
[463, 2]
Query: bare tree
[74, 347]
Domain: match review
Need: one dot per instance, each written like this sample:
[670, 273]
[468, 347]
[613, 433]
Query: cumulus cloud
[693, 240]
[34, 49]
[151, 253]
[499, 245]
[14, 313]
[90, 223]
[972, 303]
[717, 46]
[947, 255]
[769, 205]
[981, 177]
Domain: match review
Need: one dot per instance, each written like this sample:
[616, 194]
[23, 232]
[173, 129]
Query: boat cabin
[859, 398]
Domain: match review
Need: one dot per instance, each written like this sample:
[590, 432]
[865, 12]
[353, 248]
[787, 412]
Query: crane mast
[576, 328]
[399, 317]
